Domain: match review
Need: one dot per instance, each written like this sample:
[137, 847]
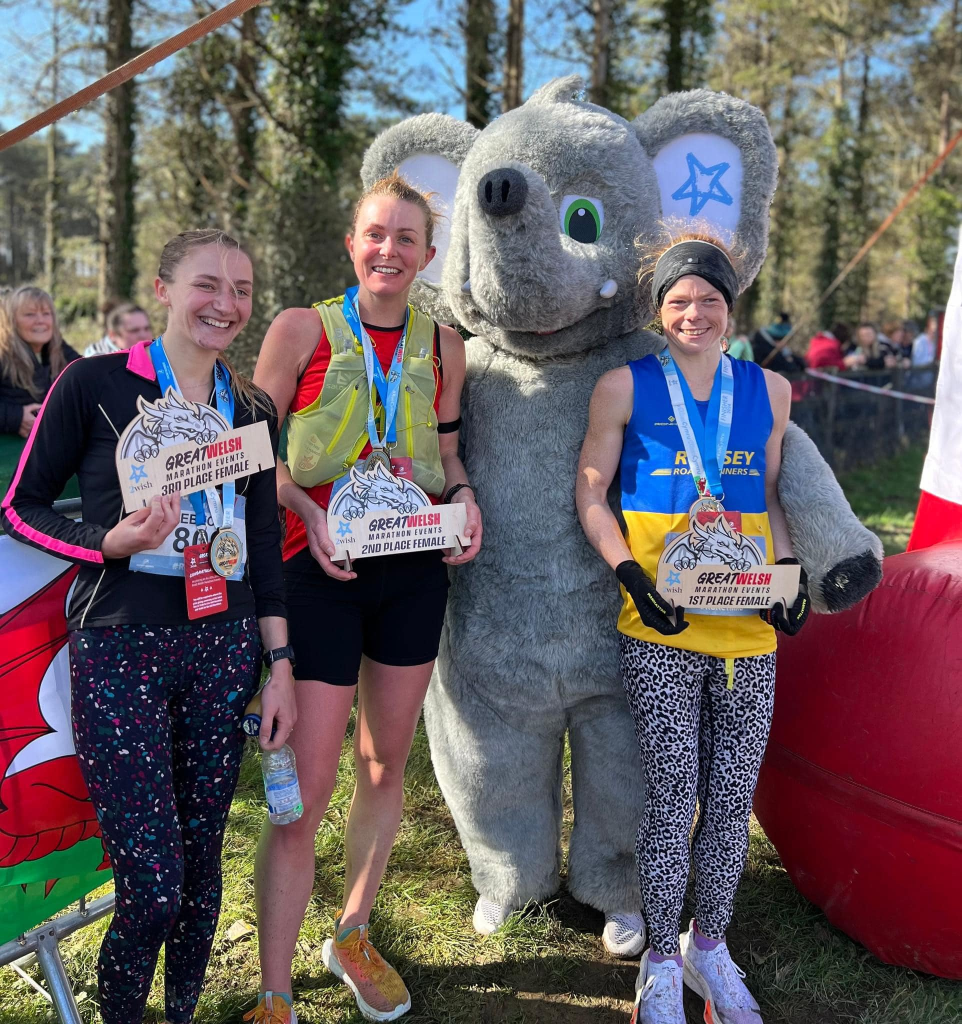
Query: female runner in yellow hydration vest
[697, 438]
[374, 629]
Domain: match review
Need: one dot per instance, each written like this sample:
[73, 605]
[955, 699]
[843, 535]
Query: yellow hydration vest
[325, 438]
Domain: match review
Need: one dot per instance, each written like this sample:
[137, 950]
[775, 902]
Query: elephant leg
[842, 557]
[502, 783]
[609, 792]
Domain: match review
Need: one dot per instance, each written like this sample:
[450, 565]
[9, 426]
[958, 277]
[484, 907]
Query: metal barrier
[44, 943]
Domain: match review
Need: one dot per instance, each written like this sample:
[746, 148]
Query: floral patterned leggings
[156, 712]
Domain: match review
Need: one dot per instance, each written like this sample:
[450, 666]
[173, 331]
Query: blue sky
[427, 64]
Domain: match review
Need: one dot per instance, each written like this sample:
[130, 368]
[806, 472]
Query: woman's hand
[473, 530]
[278, 707]
[144, 529]
[321, 545]
[29, 415]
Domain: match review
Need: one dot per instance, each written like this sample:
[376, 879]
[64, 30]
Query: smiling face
[209, 298]
[388, 246]
[694, 314]
[34, 323]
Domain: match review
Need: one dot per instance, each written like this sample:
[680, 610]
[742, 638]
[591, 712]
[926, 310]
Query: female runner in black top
[157, 698]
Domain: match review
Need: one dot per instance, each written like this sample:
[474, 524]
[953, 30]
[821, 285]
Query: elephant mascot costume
[539, 258]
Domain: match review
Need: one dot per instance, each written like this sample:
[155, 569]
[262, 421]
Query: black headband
[702, 259]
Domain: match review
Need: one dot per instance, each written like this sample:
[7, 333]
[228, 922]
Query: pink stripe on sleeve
[57, 547]
[50, 543]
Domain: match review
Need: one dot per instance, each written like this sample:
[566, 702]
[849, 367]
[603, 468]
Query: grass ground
[547, 966]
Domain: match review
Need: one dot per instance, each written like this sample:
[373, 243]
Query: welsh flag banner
[50, 848]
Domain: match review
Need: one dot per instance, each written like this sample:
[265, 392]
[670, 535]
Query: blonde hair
[16, 356]
[396, 187]
[173, 254]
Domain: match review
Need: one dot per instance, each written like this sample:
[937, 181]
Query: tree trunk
[945, 105]
[513, 57]
[859, 201]
[478, 33]
[674, 22]
[783, 211]
[51, 214]
[117, 270]
[600, 51]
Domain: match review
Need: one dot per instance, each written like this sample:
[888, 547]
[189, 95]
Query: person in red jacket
[825, 349]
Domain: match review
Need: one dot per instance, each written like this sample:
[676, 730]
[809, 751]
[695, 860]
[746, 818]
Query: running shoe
[718, 980]
[624, 935]
[377, 987]
[488, 916]
[660, 995]
[272, 1010]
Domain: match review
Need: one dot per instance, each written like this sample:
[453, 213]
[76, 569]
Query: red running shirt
[309, 387]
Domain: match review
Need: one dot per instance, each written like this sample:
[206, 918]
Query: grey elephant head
[548, 209]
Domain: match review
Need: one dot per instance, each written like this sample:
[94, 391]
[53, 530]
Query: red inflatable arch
[861, 792]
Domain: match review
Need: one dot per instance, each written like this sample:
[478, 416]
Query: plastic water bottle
[281, 787]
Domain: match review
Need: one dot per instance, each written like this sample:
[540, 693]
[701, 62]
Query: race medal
[206, 591]
[225, 553]
[378, 457]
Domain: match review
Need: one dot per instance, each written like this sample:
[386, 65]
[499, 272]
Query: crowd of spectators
[898, 344]
[33, 351]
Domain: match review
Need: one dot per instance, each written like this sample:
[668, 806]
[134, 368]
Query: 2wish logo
[168, 421]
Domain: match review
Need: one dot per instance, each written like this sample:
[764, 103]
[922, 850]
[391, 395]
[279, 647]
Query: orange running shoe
[377, 987]
[272, 1009]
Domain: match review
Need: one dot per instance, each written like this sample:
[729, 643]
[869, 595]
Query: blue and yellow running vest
[657, 492]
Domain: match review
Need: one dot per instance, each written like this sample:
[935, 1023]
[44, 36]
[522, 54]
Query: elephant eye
[582, 218]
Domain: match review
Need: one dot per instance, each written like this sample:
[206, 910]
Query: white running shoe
[660, 996]
[624, 935]
[718, 980]
[488, 916]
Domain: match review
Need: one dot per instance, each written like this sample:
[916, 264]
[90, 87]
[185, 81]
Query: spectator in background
[867, 354]
[739, 347]
[825, 349]
[923, 348]
[126, 325]
[898, 337]
[765, 340]
[32, 354]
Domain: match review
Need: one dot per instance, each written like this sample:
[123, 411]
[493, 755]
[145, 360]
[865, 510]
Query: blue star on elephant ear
[699, 190]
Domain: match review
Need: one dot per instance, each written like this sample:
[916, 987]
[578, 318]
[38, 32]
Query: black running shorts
[392, 612]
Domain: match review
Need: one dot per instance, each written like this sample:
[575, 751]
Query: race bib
[168, 558]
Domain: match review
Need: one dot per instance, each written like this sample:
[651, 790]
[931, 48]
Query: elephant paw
[848, 582]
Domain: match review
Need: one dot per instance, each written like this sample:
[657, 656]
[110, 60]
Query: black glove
[654, 610]
[790, 622]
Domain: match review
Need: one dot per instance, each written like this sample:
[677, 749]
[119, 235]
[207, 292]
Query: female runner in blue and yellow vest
[697, 438]
[376, 629]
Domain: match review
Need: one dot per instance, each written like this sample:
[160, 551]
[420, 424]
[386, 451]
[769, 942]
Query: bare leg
[389, 705]
[284, 867]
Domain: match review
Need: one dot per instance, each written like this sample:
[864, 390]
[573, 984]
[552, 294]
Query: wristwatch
[278, 654]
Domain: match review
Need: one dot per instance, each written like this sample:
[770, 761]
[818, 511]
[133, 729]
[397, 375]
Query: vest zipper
[342, 426]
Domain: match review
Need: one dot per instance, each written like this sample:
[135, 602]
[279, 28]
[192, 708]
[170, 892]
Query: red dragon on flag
[50, 843]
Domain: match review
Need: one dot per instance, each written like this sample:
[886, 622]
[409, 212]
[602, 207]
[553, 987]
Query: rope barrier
[125, 72]
[876, 235]
[859, 386]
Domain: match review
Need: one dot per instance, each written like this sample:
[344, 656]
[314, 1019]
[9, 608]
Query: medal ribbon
[389, 388]
[706, 444]
[220, 514]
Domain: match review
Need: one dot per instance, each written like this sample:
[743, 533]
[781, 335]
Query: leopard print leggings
[698, 739]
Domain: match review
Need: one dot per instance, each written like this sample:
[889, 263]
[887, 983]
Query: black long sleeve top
[14, 398]
[76, 432]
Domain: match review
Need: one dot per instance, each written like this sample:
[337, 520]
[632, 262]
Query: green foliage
[936, 216]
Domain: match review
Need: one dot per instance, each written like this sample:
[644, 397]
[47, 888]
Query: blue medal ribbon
[220, 514]
[388, 388]
[706, 444]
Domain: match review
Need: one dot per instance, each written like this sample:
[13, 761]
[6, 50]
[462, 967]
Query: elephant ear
[427, 151]
[716, 166]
